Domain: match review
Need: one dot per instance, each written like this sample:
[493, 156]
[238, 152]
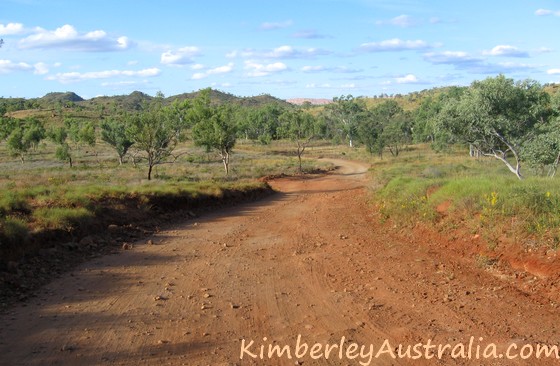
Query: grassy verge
[479, 197]
[43, 196]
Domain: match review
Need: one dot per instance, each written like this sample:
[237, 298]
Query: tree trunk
[225, 160]
[150, 167]
[120, 160]
[515, 170]
[554, 167]
[70, 162]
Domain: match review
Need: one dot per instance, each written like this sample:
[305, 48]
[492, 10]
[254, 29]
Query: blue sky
[289, 49]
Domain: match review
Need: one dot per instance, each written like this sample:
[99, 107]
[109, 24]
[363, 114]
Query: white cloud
[11, 29]
[197, 67]
[450, 57]
[256, 69]
[276, 25]
[313, 68]
[407, 79]
[395, 44]
[119, 84]
[221, 69]
[198, 76]
[545, 12]
[553, 71]
[403, 21]
[215, 71]
[514, 66]
[320, 68]
[68, 38]
[8, 66]
[281, 52]
[70, 77]
[41, 68]
[318, 86]
[291, 52]
[463, 61]
[180, 57]
[506, 50]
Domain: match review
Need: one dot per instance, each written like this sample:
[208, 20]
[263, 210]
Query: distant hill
[130, 102]
[312, 101]
[57, 97]
[220, 97]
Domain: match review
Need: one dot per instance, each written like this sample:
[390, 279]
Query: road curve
[311, 263]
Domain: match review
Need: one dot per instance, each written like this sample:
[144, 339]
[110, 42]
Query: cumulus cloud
[395, 44]
[403, 21]
[545, 12]
[180, 57]
[320, 68]
[506, 50]
[407, 79]
[292, 52]
[450, 57]
[281, 52]
[70, 77]
[276, 25]
[117, 85]
[553, 71]
[256, 69]
[215, 71]
[41, 68]
[11, 29]
[463, 61]
[8, 66]
[68, 38]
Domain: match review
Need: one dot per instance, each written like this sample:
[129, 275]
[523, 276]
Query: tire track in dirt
[313, 260]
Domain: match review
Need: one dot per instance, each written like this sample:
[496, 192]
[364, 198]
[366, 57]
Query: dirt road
[312, 261]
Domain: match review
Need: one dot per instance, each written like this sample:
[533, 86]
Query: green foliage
[473, 195]
[495, 115]
[300, 127]
[260, 123]
[12, 202]
[25, 135]
[216, 130]
[155, 133]
[344, 113]
[7, 125]
[63, 218]
[59, 136]
[114, 132]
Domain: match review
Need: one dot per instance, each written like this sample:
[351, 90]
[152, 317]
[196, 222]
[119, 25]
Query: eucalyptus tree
[155, 133]
[217, 130]
[345, 112]
[114, 132]
[300, 127]
[495, 116]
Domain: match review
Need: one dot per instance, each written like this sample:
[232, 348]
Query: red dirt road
[313, 261]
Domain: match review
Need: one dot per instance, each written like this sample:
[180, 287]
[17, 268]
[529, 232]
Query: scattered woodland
[490, 150]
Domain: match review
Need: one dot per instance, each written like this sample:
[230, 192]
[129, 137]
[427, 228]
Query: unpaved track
[312, 260]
